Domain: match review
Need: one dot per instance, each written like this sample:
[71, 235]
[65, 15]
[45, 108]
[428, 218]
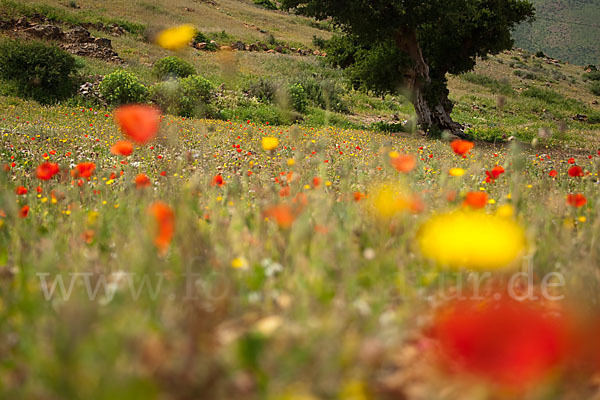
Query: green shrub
[261, 113]
[595, 88]
[39, 71]
[194, 95]
[268, 4]
[263, 89]
[549, 96]
[188, 97]
[324, 93]
[592, 76]
[298, 98]
[594, 117]
[202, 38]
[122, 87]
[173, 67]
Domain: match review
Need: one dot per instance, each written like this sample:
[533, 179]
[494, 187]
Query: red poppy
[47, 170]
[24, 211]
[462, 147]
[576, 200]
[165, 221]
[507, 342]
[285, 191]
[218, 181]
[404, 163]
[84, 170]
[553, 173]
[21, 190]
[316, 181]
[282, 214]
[142, 181]
[358, 196]
[122, 148]
[475, 200]
[576, 171]
[139, 122]
[571, 160]
[497, 171]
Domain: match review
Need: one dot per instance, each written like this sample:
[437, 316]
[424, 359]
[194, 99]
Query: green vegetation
[122, 87]
[567, 30]
[173, 67]
[37, 70]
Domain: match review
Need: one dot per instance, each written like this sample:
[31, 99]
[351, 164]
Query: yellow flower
[290, 161]
[505, 210]
[471, 239]
[270, 143]
[176, 38]
[456, 172]
[239, 263]
[389, 200]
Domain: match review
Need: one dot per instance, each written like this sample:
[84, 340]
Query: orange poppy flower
[84, 170]
[46, 171]
[142, 181]
[358, 196]
[576, 171]
[553, 173]
[316, 181]
[462, 147]
[138, 122]
[165, 222]
[576, 200]
[285, 191]
[404, 163]
[282, 214]
[507, 342]
[218, 181]
[21, 190]
[122, 148]
[475, 200]
[24, 211]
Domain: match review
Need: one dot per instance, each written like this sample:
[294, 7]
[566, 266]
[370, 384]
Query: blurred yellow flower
[456, 172]
[389, 199]
[471, 239]
[239, 263]
[505, 210]
[270, 143]
[177, 37]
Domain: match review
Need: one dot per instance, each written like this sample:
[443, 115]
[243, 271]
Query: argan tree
[413, 44]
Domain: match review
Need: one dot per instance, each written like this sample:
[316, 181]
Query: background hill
[564, 29]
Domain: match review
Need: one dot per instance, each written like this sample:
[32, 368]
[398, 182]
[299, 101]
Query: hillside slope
[564, 29]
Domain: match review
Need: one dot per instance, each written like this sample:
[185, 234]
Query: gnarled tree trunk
[432, 109]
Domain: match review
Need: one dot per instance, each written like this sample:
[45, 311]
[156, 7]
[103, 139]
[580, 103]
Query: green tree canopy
[414, 44]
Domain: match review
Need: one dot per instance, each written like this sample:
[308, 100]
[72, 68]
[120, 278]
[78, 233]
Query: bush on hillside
[39, 71]
[202, 38]
[592, 76]
[173, 67]
[122, 87]
[263, 89]
[188, 97]
[268, 4]
[595, 88]
[298, 98]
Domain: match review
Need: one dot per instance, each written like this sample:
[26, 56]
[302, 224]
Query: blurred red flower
[46, 171]
[404, 163]
[576, 171]
[84, 170]
[21, 190]
[24, 211]
[139, 122]
[218, 181]
[281, 214]
[462, 147]
[507, 342]
[576, 200]
[142, 181]
[165, 222]
[475, 200]
[553, 173]
[122, 147]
